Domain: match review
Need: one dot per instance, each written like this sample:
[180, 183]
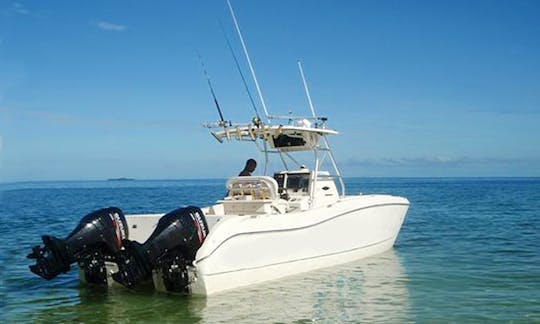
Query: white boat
[296, 221]
[267, 227]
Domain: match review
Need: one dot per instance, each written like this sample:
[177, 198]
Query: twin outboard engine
[167, 253]
[97, 237]
[102, 236]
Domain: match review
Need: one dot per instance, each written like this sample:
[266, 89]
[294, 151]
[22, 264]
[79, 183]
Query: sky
[93, 90]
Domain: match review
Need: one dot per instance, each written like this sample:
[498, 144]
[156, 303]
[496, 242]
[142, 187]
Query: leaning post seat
[253, 195]
[252, 188]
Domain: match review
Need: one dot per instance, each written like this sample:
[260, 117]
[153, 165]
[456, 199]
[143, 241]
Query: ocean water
[469, 251]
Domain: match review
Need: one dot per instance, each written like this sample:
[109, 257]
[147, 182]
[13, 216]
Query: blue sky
[100, 89]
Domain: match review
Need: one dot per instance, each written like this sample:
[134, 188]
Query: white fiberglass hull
[246, 250]
[250, 249]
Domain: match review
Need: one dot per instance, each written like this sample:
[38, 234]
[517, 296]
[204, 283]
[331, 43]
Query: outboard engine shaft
[169, 250]
[98, 236]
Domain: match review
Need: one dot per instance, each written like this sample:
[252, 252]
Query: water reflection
[366, 290]
[102, 305]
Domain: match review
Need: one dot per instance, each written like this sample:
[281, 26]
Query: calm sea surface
[469, 251]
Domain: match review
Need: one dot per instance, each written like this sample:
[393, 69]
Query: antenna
[306, 89]
[222, 120]
[248, 60]
[240, 71]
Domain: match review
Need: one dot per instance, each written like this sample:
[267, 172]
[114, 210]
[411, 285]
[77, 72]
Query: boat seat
[252, 188]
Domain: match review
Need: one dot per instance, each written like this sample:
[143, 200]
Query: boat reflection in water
[365, 290]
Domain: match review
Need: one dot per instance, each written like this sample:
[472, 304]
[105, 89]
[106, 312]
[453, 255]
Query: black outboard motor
[169, 251]
[97, 237]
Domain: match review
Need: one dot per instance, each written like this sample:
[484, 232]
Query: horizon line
[117, 180]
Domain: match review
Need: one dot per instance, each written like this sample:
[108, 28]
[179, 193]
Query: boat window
[298, 182]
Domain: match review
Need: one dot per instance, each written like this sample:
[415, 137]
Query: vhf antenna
[248, 60]
[308, 95]
[240, 72]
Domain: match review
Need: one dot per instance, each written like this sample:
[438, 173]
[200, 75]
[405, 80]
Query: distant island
[120, 179]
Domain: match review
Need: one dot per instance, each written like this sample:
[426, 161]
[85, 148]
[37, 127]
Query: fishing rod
[240, 72]
[222, 121]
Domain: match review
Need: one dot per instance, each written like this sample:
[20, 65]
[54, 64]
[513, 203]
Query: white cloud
[19, 8]
[437, 161]
[108, 26]
[60, 119]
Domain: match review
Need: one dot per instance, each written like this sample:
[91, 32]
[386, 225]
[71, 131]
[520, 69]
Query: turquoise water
[468, 251]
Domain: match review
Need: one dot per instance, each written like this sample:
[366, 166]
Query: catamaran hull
[349, 230]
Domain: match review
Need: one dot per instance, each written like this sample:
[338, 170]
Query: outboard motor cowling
[98, 236]
[169, 250]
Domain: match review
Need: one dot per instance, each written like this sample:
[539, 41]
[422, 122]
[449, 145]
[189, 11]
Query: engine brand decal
[119, 228]
[199, 223]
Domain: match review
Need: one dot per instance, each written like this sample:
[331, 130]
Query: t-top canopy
[281, 137]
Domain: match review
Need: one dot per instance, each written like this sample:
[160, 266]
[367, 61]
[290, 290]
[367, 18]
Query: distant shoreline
[367, 179]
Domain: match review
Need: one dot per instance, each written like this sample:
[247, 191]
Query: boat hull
[243, 250]
[248, 250]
